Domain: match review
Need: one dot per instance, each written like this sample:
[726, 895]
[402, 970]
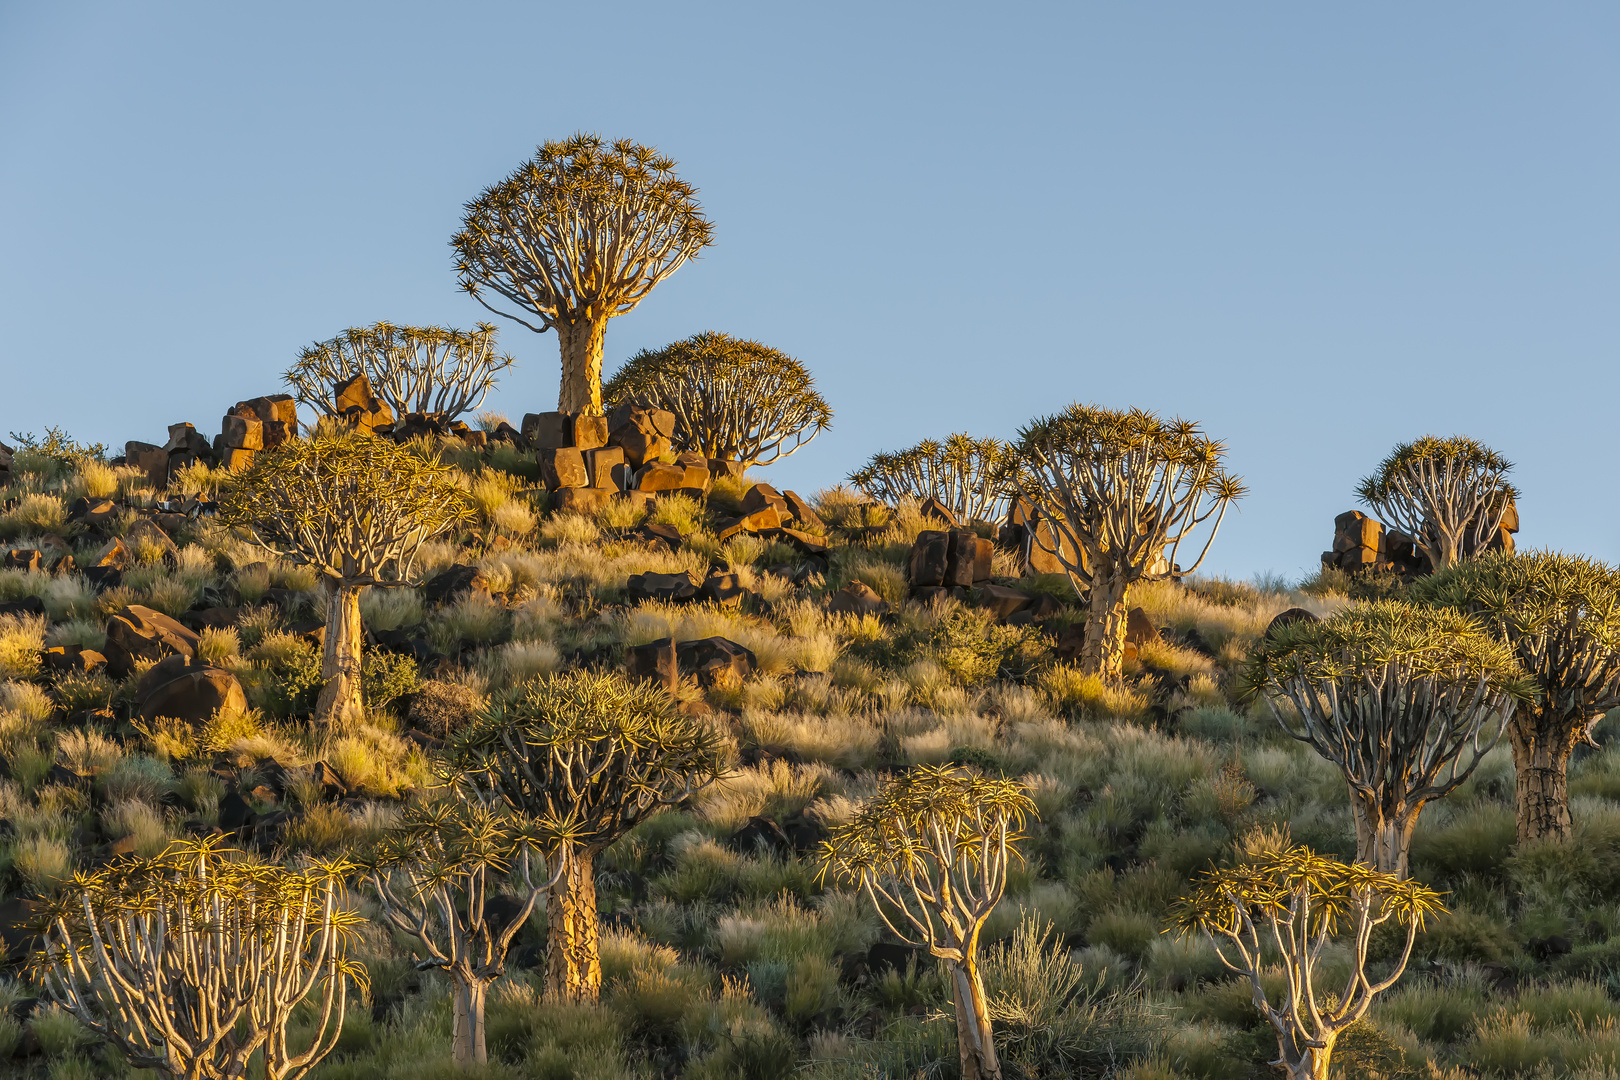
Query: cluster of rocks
[261, 423]
[355, 402]
[1362, 544]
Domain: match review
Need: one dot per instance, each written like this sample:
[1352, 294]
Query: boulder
[722, 467]
[933, 508]
[453, 582]
[1287, 618]
[242, 432]
[660, 535]
[72, 658]
[803, 512]
[548, 430]
[716, 660]
[97, 515]
[590, 431]
[582, 500]
[186, 441]
[139, 633]
[725, 590]
[803, 542]
[654, 662]
[600, 463]
[1002, 601]
[23, 559]
[144, 533]
[656, 476]
[930, 557]
[760, 834]
[355, 401]
[187, 688]
[758, 521]
[235, 460]
[152, 460]
[669, 588]
[962, 560]
[857, 598]
[27, 605]
[563, 467]
[1139, 629]
[761, 496]
[277, 412]
[6, 461]
[114, 555]
[643, 433]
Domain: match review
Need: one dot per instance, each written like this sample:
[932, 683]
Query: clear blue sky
[1318, 229]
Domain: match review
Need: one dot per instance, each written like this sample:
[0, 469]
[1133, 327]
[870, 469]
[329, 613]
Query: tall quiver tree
[1405, 700]
[734, 400]
[931, 850]
[435, 874]
[1450, 495]
[356, 509]
[1122, 490]
[585, 757]
[1560, 615]
[577, 235]
[431, 370]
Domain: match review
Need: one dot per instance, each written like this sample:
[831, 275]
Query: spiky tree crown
[353, 506]
[975, 478]
[1298, 882]
[929, 809]
[733, 399]
[415, 369]
[449, 840]
[1533, 594]
[1458, 455]
[1360, 643]
[585, 228]
[587, 755]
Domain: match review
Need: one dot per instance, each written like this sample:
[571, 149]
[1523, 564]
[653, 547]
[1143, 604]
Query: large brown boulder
[716, 660]
[669, 588]
[356, 402]
[139, 633]
[644, 433]
[187, 688]
[857, 598]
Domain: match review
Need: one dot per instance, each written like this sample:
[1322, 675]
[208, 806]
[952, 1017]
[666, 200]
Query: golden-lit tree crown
[732, 398]
[929, 807]
[353, 506]
[1091, 434]
[1459, 454]
[1360, 642]
[448, 840]
[1273, 884]
[975, 478]
[585, 755]
[584, 227]
[415, 369]
[1533, 594]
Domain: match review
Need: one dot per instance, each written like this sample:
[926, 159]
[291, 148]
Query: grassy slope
[722, 962]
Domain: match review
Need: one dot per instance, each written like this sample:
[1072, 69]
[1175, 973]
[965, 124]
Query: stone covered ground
[724, 954]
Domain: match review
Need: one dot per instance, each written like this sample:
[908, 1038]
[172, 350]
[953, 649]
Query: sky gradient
[1317, 231]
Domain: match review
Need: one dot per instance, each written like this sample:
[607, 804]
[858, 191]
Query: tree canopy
[1449, 495]
[577, 235]
[432, 370]
[974, 478]
[733, 399]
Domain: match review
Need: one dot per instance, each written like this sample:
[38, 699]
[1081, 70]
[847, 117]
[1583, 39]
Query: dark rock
[666, 536]
[22, 559]
[582, 500]
[930, 555]
[760, 834]
[1002, 601]
[802, 512]
[655, 662]
[724, 589]
[933, 508]
[452, 583]
[600, 464]
[234, 812]
[1286, 618]
[28, 605]
[643, 433]
[332, 785]
[669, 588]
[356, 402]
[857, 598]
[1139, 629]
[759, 521]
[186, 688]
[73, 658]
[563, 467]
[139, 633]
[716, 660]
[102, 578]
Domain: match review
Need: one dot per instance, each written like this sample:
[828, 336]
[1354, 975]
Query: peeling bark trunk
[1541, 778]
[573, 959]
[467, 1002]
[340, 699]
[1102, 651]
[581, 344]
[1383, 834]
[1306, 1063]
[973, 1035]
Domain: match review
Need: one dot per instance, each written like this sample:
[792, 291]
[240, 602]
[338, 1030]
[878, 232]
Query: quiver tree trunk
[1103, 650]
[340, 700]
[581, 344]
[1541, 777]
[973, 1034]
[467, 995]
[1383, 833]
[1307, 1062]
[573, 958]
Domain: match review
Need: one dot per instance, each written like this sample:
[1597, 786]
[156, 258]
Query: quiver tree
[436, 874]
[577, 235]
[431, 370]
[1406, 701]
[1560, 616]
[356, 509]
[192, 962]
[734, 400]
[1450, 495]
[1122, 492]
[973, 478]
[585, 757]
[1287, 906]
[933, 848]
